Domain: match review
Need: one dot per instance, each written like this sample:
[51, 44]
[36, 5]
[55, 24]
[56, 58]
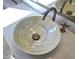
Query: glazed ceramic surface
[36, 36]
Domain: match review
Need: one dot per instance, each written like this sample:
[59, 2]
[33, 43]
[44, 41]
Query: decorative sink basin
[67, 7]
[35, 36]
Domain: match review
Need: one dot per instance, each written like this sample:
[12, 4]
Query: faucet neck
[50, 9]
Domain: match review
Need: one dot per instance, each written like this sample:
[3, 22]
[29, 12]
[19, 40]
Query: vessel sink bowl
[67, 7]
[35, 36]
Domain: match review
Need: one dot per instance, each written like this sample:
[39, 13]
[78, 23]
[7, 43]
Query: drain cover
[35, 36]
[69, 12]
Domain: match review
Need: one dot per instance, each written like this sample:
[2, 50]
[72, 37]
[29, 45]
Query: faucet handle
[62, 29]
[65, 24]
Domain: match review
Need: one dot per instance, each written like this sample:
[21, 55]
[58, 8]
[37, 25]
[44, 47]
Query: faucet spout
[50, 9]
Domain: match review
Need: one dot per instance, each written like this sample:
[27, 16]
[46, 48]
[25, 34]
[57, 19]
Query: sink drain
[35, 36]
[69, 12]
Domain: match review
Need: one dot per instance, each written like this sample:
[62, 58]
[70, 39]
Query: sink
[67, 7]
[35, 36]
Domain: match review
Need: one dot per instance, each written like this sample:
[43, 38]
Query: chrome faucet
[70, 1]
[50, 9]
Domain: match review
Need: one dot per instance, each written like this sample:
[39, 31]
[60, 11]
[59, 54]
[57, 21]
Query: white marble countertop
[11, 15]
[65, 49]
